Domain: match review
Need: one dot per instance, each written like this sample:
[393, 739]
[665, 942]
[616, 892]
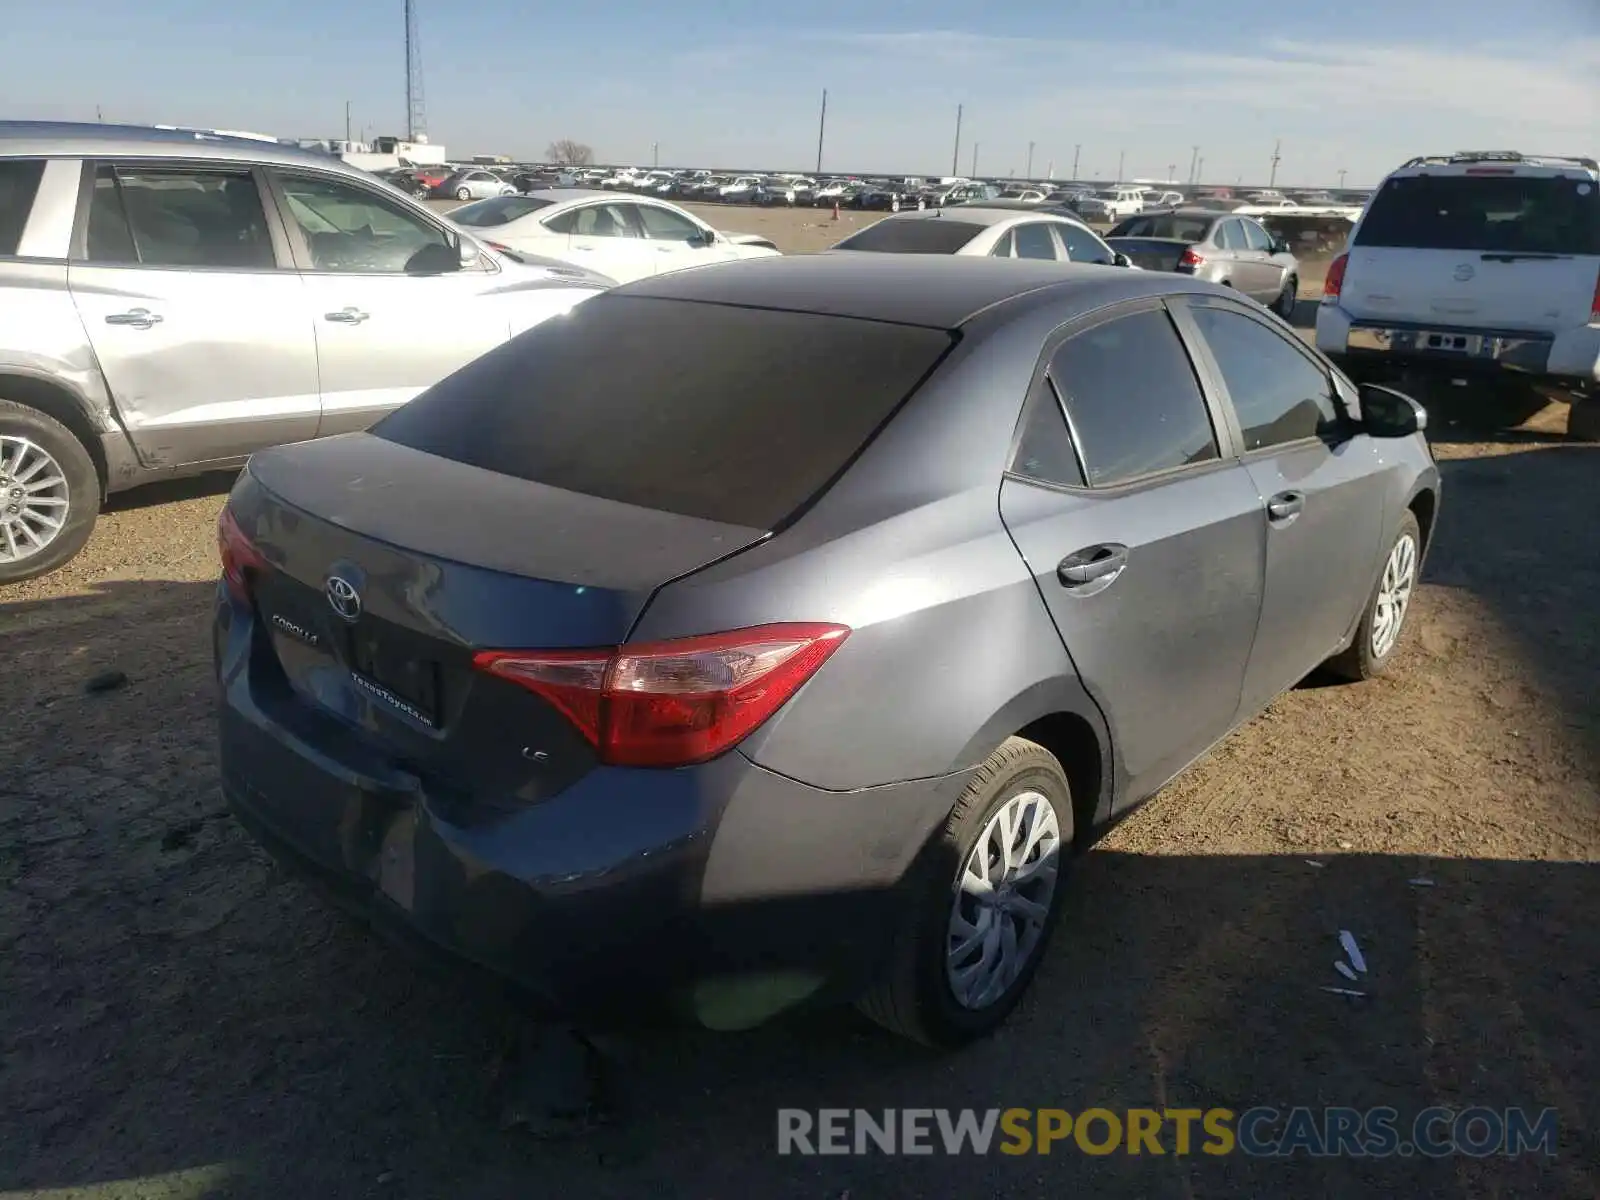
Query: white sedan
[622, 238]
[1002, 231]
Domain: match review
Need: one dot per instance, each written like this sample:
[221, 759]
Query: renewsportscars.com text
[1264, 1132]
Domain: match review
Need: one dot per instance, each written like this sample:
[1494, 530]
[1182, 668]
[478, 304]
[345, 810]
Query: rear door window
[915, 235]
[1135, 404]
[1255, 237]
[1508, 213]
[19, 183]
[1082, 246]
[730, 414]
[1034, 241]
[178, 218]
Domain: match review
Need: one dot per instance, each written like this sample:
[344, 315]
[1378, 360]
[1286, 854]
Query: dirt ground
[179, 1019]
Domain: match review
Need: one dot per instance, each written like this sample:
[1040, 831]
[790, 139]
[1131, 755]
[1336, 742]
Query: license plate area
[391, 674]
[1467, 344]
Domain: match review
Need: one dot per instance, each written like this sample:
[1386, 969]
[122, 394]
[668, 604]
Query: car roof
[942, 291]
[94, 140]
[984, 213]
[1184, 210]
[557, 195]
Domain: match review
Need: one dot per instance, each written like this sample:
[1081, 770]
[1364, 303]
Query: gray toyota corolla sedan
[769, 633]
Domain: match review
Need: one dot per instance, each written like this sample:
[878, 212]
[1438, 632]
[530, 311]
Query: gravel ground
[181, 1019]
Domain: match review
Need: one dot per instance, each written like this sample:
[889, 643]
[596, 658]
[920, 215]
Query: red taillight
[673, 703]
[1190, 259]
[1334, 283]
[239, 555]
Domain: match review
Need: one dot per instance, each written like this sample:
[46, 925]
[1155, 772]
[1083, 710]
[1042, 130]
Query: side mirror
[469, 253]
[1389, 413]
[1118, 258]
[438, 258]
[704, 238]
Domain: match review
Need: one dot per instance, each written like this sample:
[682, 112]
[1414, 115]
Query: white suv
[1475, 262]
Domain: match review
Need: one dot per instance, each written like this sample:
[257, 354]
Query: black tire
[1287, 299]
[1359, 662]
[463, 194]
[83, 488]
[1583, 419]
[914, 998]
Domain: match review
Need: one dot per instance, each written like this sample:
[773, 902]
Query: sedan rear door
[1143, 534]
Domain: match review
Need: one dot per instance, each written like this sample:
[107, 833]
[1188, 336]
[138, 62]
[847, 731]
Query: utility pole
[1194, 159]
[1029, 171]
[98, 115]
[347, 120]
[1076, 150]
[1172, 172]
[1122, 156]
[1272, 180]
[955, 158]
[655, 154]
[1342, 174]
[822, 126]
[975, 159]
[1199, 169]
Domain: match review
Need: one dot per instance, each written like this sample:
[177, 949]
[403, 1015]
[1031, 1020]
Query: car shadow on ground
[183, 1014]
[169, 491]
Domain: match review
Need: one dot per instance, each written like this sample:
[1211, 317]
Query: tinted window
[498, 211]
[1083, 246]
[1497, 212]
[731, 414]
[1005, 247]
[1135, 403]
[1255, 237]
[19, 180]
[1034, 241]
[348, 228]
[937, 235]
[1280, 394]
[664, 225]
[1184, 229]
[1044, 450]
[178, 219]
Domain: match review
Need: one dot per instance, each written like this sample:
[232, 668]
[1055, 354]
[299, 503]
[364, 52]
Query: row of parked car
[954, 556]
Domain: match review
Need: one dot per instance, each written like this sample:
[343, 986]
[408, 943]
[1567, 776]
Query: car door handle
[346, 316]
[1285, 506]
[1092, 563]
[134, 318]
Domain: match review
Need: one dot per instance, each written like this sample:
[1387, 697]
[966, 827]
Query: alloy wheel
[35, 498]
[1394, 595]
[1003, 898]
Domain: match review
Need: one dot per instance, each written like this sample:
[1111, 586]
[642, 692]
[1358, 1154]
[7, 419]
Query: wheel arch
[61, 402]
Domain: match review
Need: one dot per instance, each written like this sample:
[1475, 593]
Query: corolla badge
[1464, 272]
[342, 597]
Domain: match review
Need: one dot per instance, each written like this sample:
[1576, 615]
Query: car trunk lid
[389, 567]
[1152, 254]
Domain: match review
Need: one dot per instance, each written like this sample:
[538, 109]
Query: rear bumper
[722, 893]
[1572, 355]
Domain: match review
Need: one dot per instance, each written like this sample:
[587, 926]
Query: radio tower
[416, 111]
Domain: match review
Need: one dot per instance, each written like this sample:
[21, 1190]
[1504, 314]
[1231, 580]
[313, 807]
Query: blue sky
[1353, 84]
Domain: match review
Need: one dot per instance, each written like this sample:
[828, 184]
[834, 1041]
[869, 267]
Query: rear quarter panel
[951, 649]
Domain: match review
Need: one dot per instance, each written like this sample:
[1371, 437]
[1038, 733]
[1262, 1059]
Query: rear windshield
[497, 211]
[730, 414]
[933, 235]
[1529, 214]
[19, 180]
[1187, 229]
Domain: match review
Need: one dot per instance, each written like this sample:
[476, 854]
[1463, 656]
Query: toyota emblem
[343, 597]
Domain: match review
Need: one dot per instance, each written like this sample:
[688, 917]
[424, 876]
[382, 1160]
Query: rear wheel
[1378, 635]
[988, 894]
[1583, 419]
[463, 193]
[49, 493]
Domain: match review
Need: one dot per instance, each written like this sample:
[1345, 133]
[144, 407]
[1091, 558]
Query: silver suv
[172, 300]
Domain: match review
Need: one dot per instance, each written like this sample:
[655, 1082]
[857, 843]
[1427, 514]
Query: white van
[1474, 262]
